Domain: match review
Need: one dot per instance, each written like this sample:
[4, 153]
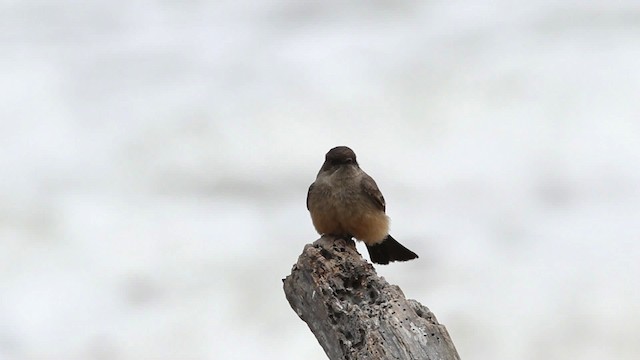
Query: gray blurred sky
[156, 157]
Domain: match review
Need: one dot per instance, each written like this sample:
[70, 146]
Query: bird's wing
[309, 192]
[370, 188]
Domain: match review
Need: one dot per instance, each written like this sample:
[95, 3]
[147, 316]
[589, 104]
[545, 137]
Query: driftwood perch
[354, 313]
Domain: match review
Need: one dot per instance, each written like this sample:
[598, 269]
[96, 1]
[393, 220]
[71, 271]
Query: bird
[345, 201]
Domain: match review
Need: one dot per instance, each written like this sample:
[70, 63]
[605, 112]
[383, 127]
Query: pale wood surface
[355, 314]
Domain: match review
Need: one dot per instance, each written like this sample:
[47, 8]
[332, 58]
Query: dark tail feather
[389, 250]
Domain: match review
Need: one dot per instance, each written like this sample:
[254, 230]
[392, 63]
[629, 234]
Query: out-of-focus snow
[156, 156]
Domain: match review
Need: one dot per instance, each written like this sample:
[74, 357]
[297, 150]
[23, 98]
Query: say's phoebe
[345, 201]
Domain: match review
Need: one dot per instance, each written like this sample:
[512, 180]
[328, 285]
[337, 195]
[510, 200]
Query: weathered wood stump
[354, 313]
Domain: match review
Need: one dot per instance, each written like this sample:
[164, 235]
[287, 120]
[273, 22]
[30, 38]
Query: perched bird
[345, 201]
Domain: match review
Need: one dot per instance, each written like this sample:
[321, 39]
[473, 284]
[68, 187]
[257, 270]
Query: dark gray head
[339, 156]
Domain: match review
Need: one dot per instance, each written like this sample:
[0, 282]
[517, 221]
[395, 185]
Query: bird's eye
[341, 161]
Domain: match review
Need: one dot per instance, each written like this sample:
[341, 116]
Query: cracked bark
[354, 313]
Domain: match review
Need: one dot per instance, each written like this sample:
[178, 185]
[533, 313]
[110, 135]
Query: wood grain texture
[355, 314]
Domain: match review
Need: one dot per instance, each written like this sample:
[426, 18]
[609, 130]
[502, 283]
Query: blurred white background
[156, 157]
